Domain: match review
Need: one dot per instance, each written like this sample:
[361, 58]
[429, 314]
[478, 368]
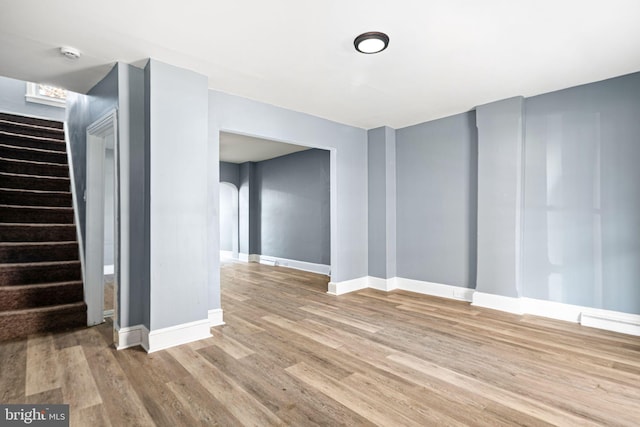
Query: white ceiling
[445, 56]
[236, 148]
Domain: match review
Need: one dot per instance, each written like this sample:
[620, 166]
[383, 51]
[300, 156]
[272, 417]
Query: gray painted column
[178, 136]
[500, 170]
[248, 216]
[381, 155]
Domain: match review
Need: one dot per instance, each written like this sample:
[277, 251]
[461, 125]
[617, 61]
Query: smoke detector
[70, 52]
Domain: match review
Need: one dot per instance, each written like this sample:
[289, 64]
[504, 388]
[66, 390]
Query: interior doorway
[102, 207]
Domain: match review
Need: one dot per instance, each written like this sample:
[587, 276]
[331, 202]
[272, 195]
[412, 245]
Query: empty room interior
[320, 213]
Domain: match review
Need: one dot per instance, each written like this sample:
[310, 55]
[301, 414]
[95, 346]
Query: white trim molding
[172, 336]
[215, 317]
[385, 285]
[129, 337]
[611, 320]
[109, 269]
[435, 289]
[497, 302]
[292, 263]
[226, 255]
[339, 288]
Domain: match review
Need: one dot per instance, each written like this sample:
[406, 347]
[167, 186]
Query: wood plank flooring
[290, 354]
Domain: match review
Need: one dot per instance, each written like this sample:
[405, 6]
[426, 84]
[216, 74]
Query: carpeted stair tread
[36, 214]
[31, 120]
[26, 167]
[32, 154]
[19, 128]
[23, 232]
[20, 252]
[41, 286]
[21, 323]
[21, 197]
[29, 273]
[34, 182]
[40, 295]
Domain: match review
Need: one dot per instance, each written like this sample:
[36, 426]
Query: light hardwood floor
[290, 354]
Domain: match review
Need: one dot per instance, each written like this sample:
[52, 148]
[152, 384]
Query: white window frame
[33, 96]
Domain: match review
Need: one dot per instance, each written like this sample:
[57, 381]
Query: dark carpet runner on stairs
[40, 275]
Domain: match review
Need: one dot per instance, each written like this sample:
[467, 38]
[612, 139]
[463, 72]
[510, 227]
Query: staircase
[40, 275]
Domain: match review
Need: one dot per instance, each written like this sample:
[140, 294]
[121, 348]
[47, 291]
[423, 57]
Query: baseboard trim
[215, 317]
[552, 309]
[172, 336]
[615, 321]
[243, 257]
[108, 269]
[226, 255]
[380, 284]
[497, 302]
[292, 263]
[339, 288]
[129, 337]
[435, 289]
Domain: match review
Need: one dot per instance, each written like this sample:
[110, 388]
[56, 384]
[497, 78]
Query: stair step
[35, 198]
[35, 215]
[33, 168]
[20, 323]
[28, 141]
[40, 295]
[14, 232]
[32, 154]
[31, 130]
[21, 252]
[31, 120]
[33, 182]
[30, 273]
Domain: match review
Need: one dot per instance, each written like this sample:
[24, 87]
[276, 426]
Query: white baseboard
[243, 257]
[611, 320]
[434, 289]
[129, 337]
[292, 263]
[385, 285]
[109, 269]
[552, 309]
[498, 302]
[226, 254]
[339, 288]
[172, 336]
[215, 317]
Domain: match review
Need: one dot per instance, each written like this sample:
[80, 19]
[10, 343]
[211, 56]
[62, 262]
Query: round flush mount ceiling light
[70, 52]
[371, 42]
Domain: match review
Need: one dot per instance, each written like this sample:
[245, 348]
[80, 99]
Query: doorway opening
[102, 271]
[276, 203]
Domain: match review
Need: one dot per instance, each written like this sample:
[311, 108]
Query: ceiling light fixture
[70, 52]
[371, 42]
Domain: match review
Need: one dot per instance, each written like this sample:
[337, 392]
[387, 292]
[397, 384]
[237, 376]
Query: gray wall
[12, 100]
[228, 216]
[293, 205]
[381, 157]
[240, 115]
[230, 172]
[436, 201]
[82, 110]
[582, 203]
[178, 108]
[133, 304]
[500, 139]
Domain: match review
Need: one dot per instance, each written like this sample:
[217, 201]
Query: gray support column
[382, 202]
[248, 215]
[500, 171]
[177, 102]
